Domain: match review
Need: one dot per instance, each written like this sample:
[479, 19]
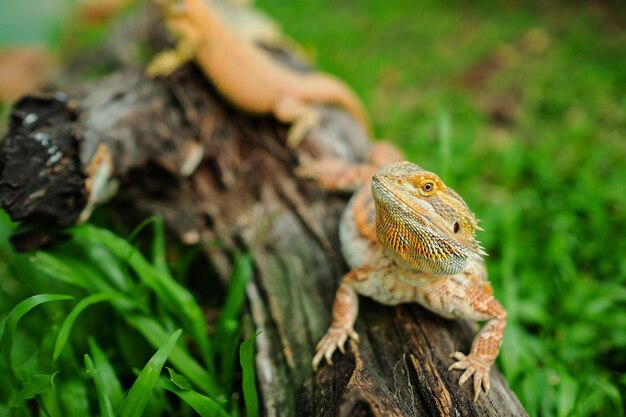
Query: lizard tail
[325, 88]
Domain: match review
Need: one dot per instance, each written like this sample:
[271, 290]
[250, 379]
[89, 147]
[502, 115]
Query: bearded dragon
[408, 237]
[245, 74]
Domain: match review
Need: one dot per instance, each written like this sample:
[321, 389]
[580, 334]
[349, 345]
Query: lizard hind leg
[302, 116]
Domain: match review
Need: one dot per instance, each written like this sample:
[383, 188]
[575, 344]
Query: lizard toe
[461, 361]
[486, 383]
[328, 354]
[324, 350]
[353, 335]
[162, 65]
[319, 355]
[341, 342]
[301, 127]
[469, 371]
[459, 356]
[472, 367]
[334, 339]
[478, 379]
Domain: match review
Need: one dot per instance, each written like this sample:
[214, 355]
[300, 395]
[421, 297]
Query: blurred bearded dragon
[408, 237]
[244, 73]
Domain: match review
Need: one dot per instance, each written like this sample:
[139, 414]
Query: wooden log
[243, 194]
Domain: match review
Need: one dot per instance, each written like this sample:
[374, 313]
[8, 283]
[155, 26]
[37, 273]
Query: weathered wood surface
[244, 195]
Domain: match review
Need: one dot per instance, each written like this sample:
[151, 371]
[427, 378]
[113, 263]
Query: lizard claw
[333, 339]
[163, 64]
[472, 367]
[301, 127]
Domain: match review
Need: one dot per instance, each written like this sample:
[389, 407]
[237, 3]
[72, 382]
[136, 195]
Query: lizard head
[422, 222]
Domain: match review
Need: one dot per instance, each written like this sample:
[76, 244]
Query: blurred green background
[521, 107]
[31, 21]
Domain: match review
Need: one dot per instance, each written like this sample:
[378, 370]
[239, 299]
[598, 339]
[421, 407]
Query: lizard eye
[428, 188]
[399, 181]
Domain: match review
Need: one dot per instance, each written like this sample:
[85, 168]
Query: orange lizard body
[245, 74]
[407, 237]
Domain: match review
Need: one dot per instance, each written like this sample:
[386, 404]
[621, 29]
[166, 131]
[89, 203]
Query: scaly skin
[246, 75]
[409, 238]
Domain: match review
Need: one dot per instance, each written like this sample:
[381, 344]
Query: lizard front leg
[345, 312]
[377, 281]
[465, 297]
[483, 353]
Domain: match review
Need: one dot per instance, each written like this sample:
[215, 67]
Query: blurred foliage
[521, 107]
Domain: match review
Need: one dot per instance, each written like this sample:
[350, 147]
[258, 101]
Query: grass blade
[248, 383]
[242, 273]
[158, 247]
[70, 271]
[227, 343]
[106, 408]
[112, 269]
[53, 266]
[180, 381]
[158, 241]
[156, 335]
[35, 386]
[137, 398]
[66, 327]
[203, 405]
[6, 342]
[227, 335]
[111, 384]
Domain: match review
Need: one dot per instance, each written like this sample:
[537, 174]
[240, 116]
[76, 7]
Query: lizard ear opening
[456, 227]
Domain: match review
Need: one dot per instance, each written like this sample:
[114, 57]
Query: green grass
[98, 293]
[545, 172]
[549, 182]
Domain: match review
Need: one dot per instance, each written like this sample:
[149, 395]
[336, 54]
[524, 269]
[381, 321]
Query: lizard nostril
[456, 227]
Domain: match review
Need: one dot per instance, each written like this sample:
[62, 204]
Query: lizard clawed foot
[163, 64]
[333, 339]
[301, 127]
[473, 367]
